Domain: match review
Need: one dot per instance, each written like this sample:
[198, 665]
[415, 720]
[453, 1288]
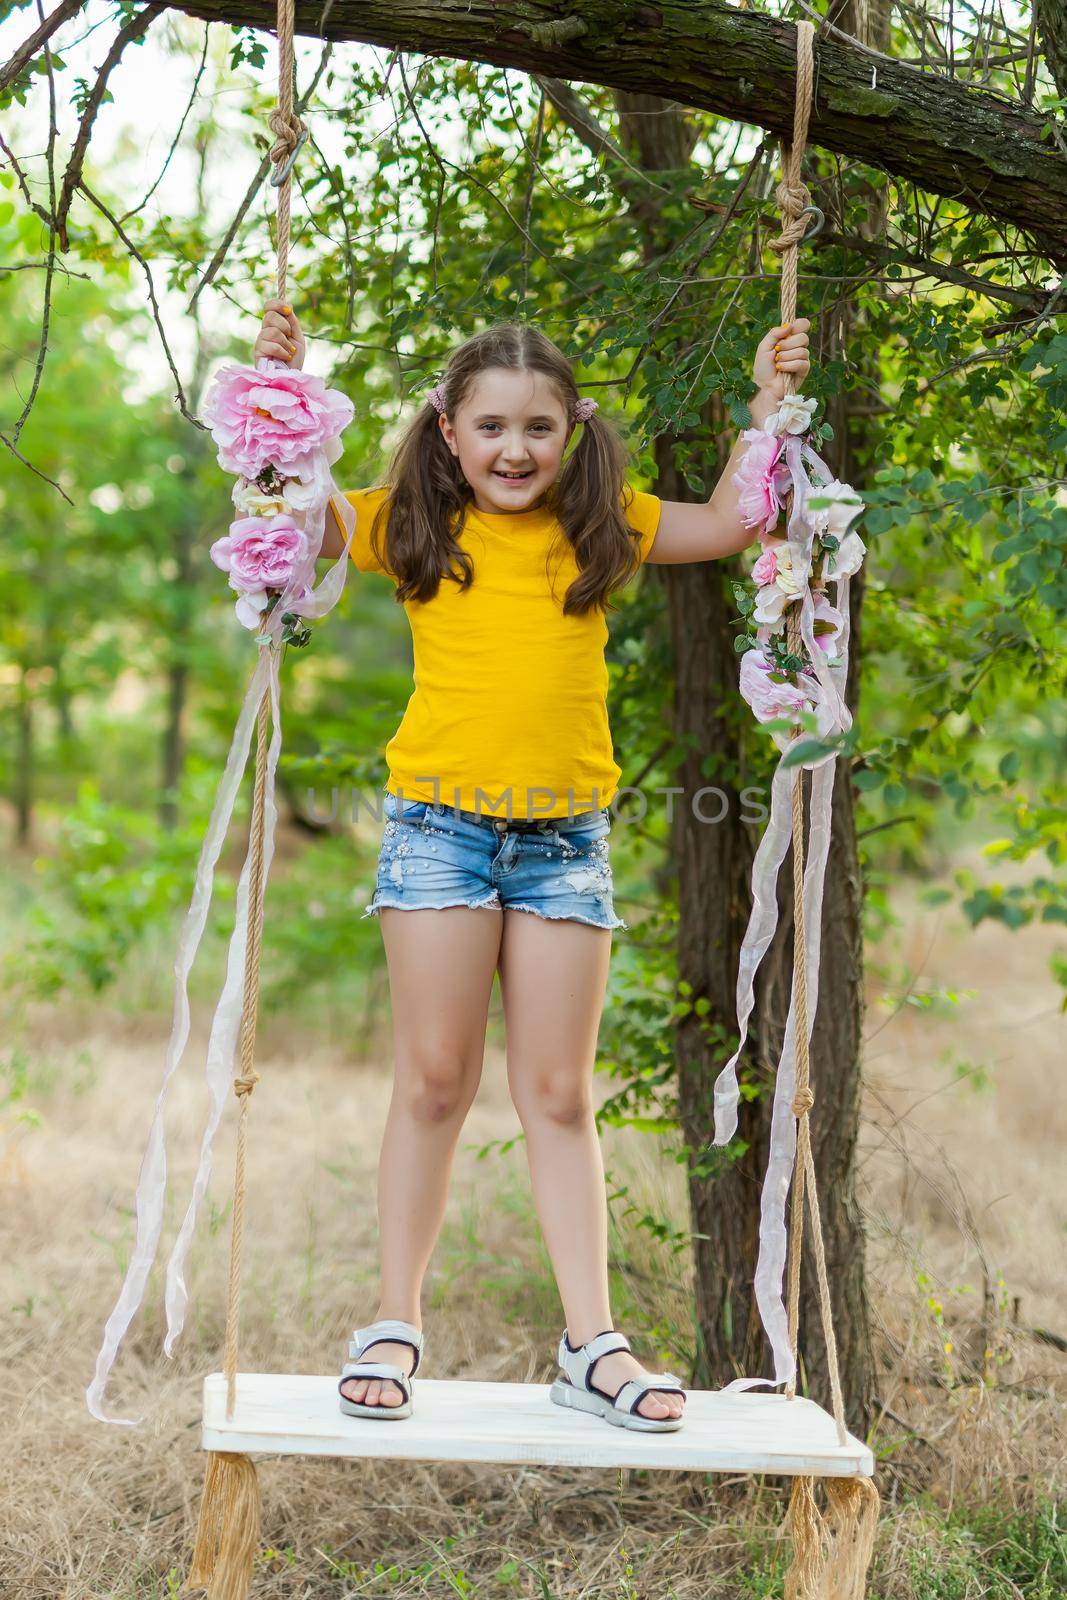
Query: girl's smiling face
[509, 435]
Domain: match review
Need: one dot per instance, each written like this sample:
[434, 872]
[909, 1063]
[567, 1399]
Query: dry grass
[963, 1185]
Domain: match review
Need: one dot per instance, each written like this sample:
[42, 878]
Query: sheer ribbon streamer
[150, 1200]
[832, 718]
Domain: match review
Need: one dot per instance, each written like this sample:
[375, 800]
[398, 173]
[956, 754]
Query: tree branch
[1029, 302]
[26, 52]
[580, 119]
[134, 29]
[988, 153]
[183, 405]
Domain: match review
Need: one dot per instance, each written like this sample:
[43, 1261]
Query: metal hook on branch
[279, 176]
[819, 221]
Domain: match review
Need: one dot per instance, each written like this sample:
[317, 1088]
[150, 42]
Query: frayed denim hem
[493, 905]
[431, 905]
[571, 916]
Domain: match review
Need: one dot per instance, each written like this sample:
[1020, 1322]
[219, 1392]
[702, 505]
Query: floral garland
[279, 431]
[793, 669]
[781, 685]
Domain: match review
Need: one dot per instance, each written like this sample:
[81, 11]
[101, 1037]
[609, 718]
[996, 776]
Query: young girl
[503, 554]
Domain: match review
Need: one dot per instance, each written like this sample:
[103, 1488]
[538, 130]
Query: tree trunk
[24, 763]
[173, 740]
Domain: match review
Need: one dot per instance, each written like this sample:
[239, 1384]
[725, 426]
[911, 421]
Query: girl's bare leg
[553, 974]
[441, 967]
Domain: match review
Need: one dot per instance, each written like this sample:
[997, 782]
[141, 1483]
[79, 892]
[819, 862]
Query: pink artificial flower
[761, 479]
[258, 554]
[766, 698]
[277, 418]
[766, 568]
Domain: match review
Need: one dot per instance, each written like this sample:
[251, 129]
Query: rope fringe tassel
[227, 1534]
[832, 1547]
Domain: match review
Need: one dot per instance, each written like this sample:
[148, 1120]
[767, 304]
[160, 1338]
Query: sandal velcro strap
[631, 1394]
[388, 1330]
[375, 1369]
[578, 1362]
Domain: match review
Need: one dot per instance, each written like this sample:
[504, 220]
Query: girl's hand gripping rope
[784, 349]
[280, 338]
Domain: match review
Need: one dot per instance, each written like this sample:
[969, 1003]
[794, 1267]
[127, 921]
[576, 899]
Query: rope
[228, 1527]
[792, 194]
[289, 130]
[245, 1081]
[793, 198]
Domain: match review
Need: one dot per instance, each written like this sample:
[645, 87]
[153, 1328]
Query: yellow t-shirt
[510, 695]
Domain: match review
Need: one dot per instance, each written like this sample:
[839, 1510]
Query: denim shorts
[438, 855]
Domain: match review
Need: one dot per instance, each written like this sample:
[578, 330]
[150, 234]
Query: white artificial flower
[308, 485]
[792, 574]
[793, 415]
[845, 506]
[770, 604]
[251, 501]
[249, 606]
[846, 559]
[300, 496]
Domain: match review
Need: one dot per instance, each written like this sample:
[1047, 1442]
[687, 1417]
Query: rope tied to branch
[832, 1548]
[792, 195]
[289, 130]
[230, 1508]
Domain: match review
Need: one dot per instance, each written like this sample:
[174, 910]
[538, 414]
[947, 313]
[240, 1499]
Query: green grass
[984, 1552]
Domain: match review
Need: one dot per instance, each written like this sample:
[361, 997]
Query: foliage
[441, 195]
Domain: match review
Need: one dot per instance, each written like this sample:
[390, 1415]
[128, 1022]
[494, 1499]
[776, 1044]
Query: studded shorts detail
[434, 856]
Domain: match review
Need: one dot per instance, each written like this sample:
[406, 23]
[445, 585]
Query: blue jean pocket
[594, 827]
[414, 810]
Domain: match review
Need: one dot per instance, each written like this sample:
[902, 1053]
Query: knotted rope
[289, 129]
[230, 1509]
[831, 1550]
[794, 199]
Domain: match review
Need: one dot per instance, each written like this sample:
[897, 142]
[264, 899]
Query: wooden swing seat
[297, 1414]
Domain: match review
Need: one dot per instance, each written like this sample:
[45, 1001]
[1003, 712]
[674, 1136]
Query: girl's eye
[539, 427]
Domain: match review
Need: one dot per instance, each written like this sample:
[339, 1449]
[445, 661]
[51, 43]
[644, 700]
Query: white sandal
[575, 1387]
[388, 1331]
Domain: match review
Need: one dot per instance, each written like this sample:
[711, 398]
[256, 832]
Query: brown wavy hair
[422, 516]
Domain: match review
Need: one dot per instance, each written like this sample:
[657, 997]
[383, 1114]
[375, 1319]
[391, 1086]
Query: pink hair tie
[437, 399]
[582, 410]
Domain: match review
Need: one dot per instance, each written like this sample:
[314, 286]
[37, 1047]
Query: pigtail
[589, 505]
[423, 513]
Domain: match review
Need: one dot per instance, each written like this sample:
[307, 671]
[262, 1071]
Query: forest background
[435, 195]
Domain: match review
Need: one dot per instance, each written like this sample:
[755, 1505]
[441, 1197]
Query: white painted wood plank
[297, 1414]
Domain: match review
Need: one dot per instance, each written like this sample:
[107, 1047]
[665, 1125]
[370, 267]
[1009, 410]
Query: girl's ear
[448, 433]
